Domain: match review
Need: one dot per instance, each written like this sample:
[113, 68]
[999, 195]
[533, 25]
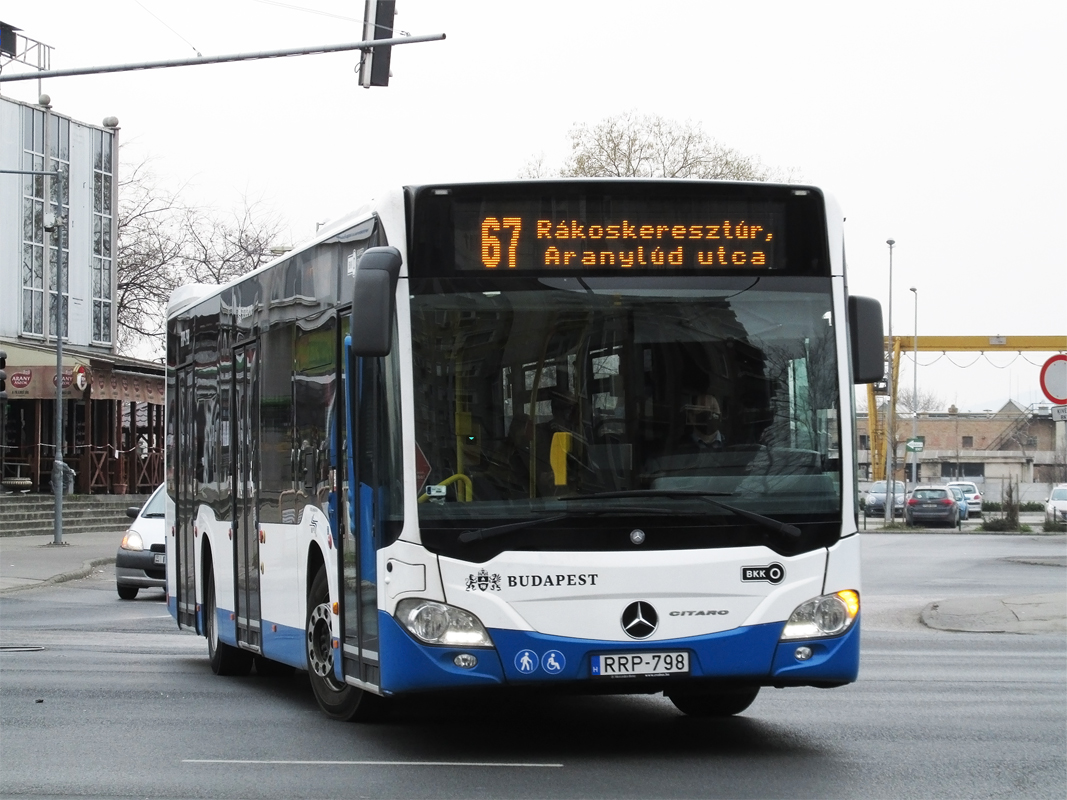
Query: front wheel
[714, 704]
[337, 699]
[126, 592]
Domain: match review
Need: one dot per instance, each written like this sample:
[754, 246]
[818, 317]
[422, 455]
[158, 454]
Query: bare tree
[925, 400]
[634, 145]
[149, 248]
[217, 251]
[164, 243]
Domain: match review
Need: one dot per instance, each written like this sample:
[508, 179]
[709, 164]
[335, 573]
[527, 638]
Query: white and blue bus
[564, 436]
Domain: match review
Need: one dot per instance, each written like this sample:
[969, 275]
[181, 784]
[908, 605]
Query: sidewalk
[28, 561]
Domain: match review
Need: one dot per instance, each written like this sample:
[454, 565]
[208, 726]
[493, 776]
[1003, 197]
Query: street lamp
[890, 448]
[915, 394]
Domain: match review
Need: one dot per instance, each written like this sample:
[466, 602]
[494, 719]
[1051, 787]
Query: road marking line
[368, 763]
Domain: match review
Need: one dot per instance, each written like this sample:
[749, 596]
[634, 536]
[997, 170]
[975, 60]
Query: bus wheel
[337, 699]
[225, 659]
[714, 704]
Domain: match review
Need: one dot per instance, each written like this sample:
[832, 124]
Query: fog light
[465, 660]
[802, 653]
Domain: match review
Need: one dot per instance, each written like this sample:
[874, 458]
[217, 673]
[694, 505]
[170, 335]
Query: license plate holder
[159, 558]
[639, 664]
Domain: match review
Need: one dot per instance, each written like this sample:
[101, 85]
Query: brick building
[1020, 444]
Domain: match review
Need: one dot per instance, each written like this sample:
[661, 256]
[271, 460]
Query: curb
[84, 571]
[1018, 614]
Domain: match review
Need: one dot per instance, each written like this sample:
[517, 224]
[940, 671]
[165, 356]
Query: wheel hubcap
[320, 650]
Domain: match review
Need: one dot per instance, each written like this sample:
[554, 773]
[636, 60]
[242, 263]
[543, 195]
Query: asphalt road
[119, 703]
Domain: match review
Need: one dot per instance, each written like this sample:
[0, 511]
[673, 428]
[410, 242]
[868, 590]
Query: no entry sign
[1054, 379]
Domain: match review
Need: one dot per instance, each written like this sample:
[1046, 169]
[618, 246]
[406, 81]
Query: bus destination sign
[679, 227]
[662, 242]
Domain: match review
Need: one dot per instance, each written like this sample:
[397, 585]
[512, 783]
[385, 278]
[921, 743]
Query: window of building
[864, 442]
[103, 172]
[968, 441]
[952, 470]
[40, 253]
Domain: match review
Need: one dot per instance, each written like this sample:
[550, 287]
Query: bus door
[359, 551]
[245, 493]
[185, 499]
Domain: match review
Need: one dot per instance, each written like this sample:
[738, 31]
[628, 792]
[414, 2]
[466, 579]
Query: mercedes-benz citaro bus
[558, 436]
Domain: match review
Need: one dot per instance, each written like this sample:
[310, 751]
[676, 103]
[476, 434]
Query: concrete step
[29, 515]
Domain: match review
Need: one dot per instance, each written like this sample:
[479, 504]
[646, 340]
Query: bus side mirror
[373, 301]
[866, 339]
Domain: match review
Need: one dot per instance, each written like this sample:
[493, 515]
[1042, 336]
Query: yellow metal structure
[880, 421]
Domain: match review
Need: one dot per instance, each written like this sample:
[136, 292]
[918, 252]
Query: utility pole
[890, 432]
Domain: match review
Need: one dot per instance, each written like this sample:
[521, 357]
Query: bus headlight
[828, 615]
[442, 624]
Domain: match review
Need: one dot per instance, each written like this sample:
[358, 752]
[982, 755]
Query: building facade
[1023, 445]
[58, 236]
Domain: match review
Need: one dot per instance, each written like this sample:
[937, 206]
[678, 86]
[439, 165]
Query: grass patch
[1002, 526]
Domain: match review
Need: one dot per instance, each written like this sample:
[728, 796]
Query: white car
[1056, 505]
[970, 491]
[141, 561]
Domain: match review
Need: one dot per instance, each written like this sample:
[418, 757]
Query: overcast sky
[938, 124]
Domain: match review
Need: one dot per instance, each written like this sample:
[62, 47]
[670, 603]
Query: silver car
[1056, 505]
[141, 561]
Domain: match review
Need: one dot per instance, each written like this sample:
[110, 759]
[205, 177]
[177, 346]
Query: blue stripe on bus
[739, 653]
[834, 660]
[749, 653]
[407, 665]
[284, 643]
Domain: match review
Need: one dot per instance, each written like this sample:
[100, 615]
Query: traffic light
[3, 374]
[377, 24]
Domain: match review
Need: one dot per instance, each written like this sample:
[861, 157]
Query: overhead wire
[169, 28]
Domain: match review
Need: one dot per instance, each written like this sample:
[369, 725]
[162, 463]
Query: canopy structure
[113, 420]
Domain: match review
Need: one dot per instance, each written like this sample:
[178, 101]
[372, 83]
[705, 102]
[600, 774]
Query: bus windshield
[534, 396]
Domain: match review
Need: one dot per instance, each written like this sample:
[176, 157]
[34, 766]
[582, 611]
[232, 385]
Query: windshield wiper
[767, 522]
[500, 530]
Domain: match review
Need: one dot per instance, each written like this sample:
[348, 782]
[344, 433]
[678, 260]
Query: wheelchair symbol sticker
[526, 661]
[553, 662]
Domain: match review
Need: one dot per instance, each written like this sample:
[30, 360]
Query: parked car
[875, 505]
[961, 501]
[141, 561]
[974, 497]
[932, 504]
[1056, 505]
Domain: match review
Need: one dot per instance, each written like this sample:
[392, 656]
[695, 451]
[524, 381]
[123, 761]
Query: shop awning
[31, 376]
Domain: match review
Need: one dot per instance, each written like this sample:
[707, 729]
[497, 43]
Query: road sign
[1059, 413]
[422, 467]
[1054, 379]
[915, 445]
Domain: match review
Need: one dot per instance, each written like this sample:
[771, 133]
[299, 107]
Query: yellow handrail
[463, 497]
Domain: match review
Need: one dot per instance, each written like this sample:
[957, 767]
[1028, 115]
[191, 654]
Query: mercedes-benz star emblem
[639, 620]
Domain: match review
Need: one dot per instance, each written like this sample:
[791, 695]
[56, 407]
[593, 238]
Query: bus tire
[338, 700]
[225, 659]
[714, 704]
